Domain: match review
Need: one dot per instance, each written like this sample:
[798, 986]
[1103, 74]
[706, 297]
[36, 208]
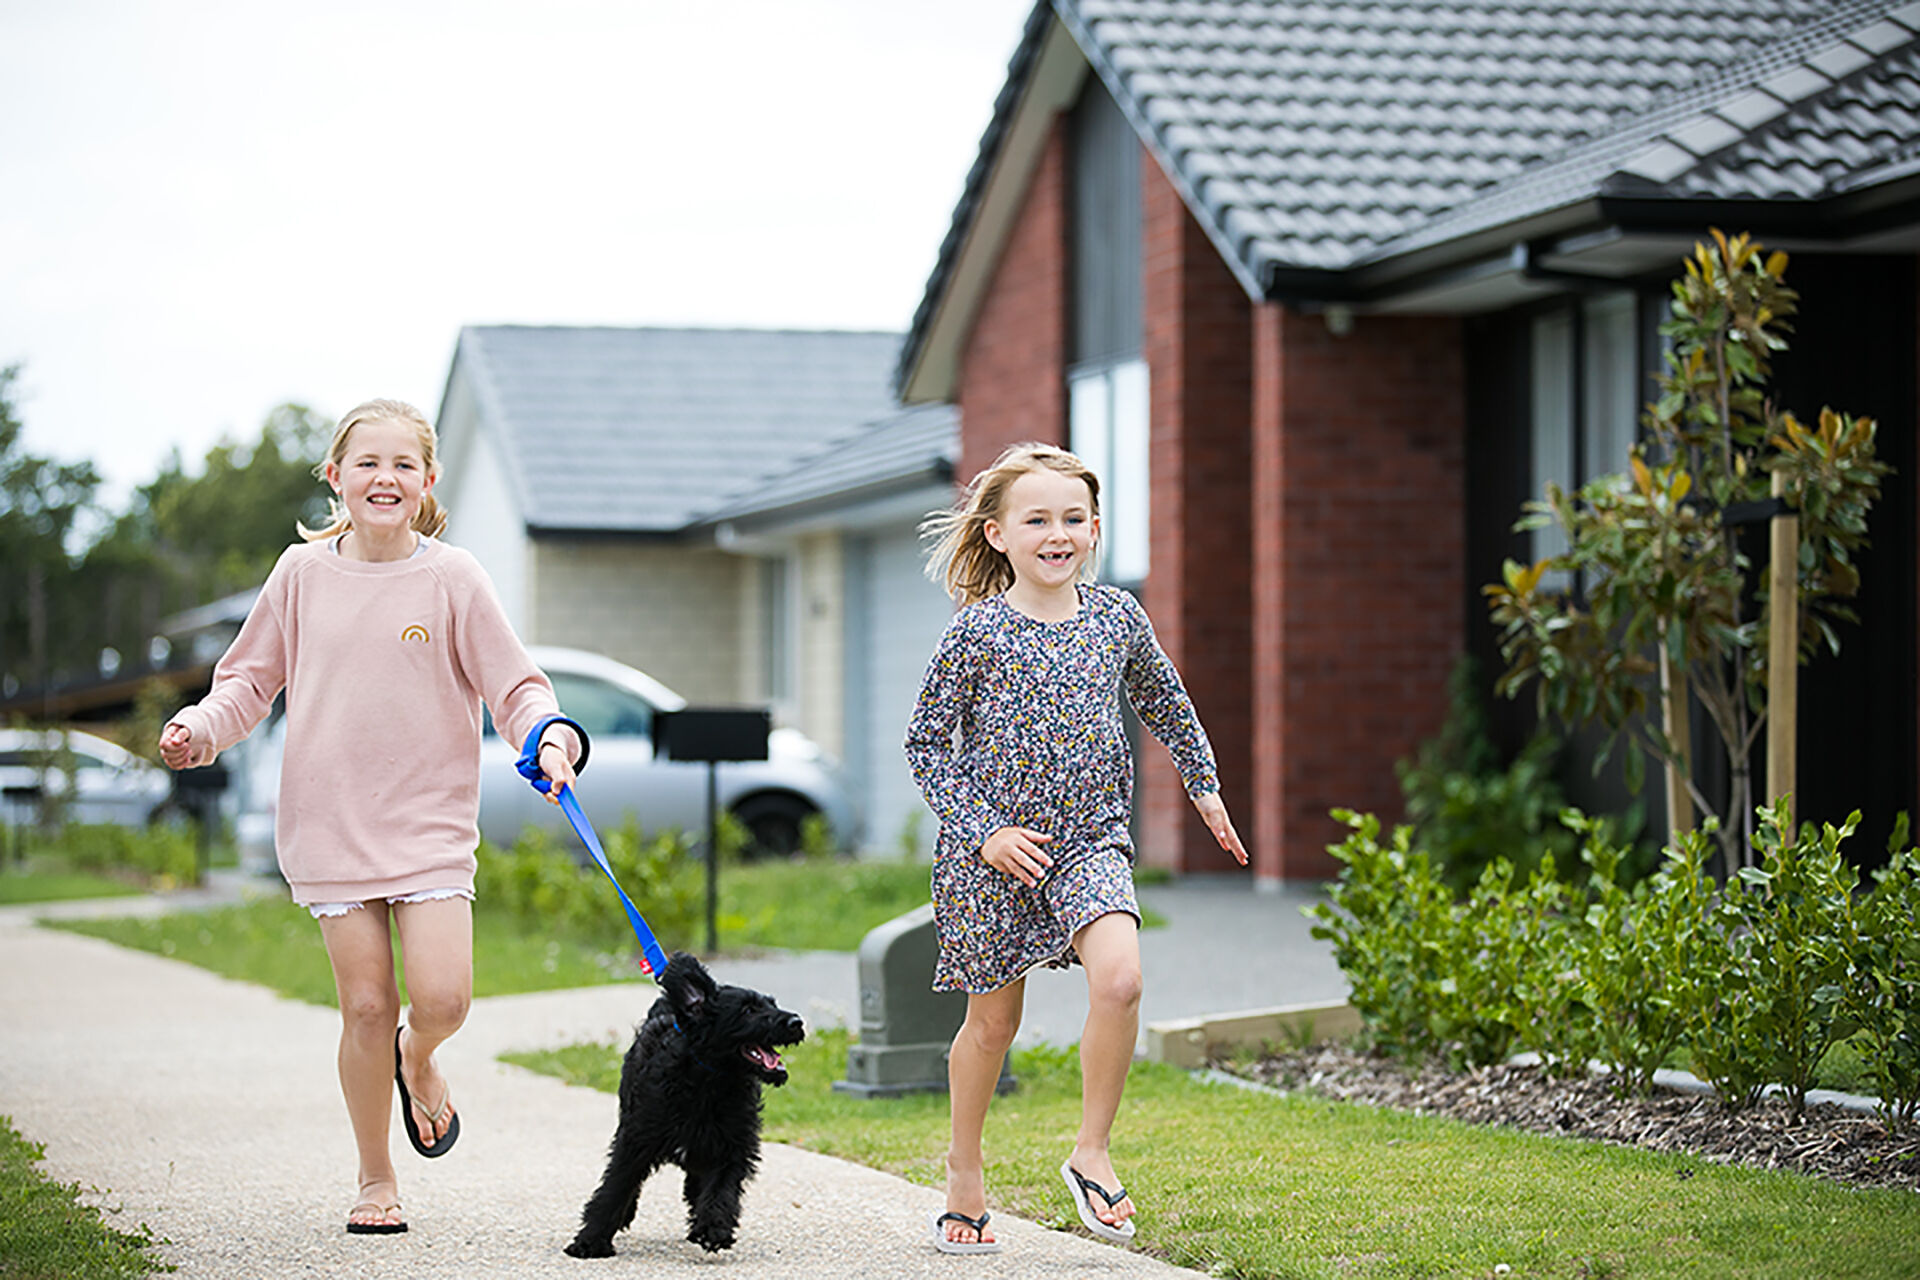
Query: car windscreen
[603, 710]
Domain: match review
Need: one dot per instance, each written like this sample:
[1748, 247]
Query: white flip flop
[1082, 1190]
[939, 1221]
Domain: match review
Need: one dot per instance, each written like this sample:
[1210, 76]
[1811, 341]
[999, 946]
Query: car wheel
[773, 824]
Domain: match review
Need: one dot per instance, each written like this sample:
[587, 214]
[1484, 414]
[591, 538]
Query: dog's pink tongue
[764, 1056]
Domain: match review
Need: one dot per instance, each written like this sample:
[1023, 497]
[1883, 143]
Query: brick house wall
[1013, 371]
[1309, 540]
[1359, 567]
[1198, 344]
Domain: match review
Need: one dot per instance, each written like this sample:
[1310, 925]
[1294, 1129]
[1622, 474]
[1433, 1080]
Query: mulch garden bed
[1827, 1141]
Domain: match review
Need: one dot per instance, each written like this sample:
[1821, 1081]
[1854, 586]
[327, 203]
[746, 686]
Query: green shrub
[540, 882]
[1883, 986]
[164, 854]
[1797, 909]
[1491, 992]
[1546, 1004]
[1634, 947]
[1755, 980]
[1390, 919]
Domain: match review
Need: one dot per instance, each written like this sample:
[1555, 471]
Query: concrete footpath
[209, 1111]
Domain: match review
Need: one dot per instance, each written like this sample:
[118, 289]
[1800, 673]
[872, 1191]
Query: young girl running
[386, 641]
[1018, 744]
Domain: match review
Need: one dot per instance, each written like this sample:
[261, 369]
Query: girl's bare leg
[973, 1069]
[361, 951]
[436, 945]
[1110, 949]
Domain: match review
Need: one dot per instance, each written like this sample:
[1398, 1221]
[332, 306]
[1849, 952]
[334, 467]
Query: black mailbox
[712, 733]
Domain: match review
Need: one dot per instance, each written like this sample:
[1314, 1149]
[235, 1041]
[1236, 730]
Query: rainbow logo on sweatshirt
[416, 632]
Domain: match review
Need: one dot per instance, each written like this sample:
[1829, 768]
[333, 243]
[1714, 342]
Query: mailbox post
[906, 1027]
[711, 735]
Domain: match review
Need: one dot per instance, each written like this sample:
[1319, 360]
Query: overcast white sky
[208, 208]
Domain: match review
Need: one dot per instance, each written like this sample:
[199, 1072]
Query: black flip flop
[375, 1228]
[445, 1144]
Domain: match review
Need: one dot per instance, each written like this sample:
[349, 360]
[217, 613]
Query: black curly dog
[690, 1095]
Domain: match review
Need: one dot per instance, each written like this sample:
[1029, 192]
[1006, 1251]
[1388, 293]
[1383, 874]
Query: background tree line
[83, 588]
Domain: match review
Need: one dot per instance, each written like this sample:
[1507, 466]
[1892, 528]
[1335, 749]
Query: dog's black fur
[690, 1095]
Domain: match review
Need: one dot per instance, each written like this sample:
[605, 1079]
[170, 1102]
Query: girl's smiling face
[381, 477]
[1046, 529]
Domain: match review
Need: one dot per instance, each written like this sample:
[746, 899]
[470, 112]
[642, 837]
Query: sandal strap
[439, 1113]
[1090, 1185]
[954, 1215]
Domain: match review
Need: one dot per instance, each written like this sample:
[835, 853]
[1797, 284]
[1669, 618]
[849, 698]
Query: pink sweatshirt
[385, 666]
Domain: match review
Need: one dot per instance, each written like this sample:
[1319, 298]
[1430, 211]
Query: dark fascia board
[1836, 223]
[656, 537]
[939, 472]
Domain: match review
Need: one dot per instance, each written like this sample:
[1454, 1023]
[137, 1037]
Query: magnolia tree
[1663, 597]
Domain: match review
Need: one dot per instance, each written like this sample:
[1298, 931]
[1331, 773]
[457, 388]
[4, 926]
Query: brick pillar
[1199, 362]
[1359, 566]
[1013, 383]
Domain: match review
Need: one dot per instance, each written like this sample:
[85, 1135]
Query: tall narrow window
[1609, 383]
[1553, 420]
[1586, 397]
[1108, 405]
[776, 627]
[1107, 383]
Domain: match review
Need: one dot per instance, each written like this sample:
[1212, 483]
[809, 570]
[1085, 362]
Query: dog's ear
[687, 984]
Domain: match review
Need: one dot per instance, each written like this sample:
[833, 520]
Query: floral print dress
[1018, 724]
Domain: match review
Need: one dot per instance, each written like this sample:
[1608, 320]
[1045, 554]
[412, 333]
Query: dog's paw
[585, 1248]
[712, 1237]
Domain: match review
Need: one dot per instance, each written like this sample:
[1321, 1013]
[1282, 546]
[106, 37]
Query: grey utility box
[906, 1027]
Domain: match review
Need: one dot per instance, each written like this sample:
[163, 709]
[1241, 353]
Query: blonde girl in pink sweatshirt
[386, 641]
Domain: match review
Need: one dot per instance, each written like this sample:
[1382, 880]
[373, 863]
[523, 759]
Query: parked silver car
[616, 704]
[92, 780]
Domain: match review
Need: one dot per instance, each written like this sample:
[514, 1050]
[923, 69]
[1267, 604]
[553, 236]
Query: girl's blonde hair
[962, 560]
[430, 519]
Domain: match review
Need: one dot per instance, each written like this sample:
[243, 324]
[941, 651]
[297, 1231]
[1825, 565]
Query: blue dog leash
[529, 766]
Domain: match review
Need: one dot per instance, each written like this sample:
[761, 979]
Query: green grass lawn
[796, 906]
[47, 1234]
[1249, 1184]
[58, 885]
[1230, 1182]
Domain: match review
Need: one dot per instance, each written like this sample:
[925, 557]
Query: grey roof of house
[905, 450]
[1862, 130]
[645, 430]
[1320, 136]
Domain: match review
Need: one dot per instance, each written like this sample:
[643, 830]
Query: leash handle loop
[529, 762]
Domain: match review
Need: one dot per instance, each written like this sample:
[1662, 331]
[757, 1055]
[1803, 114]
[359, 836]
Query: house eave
[1045, 77]
[1610, 238]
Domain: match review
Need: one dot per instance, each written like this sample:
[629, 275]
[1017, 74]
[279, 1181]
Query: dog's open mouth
[762, 1056]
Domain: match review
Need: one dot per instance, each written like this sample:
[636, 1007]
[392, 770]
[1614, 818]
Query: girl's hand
[176, 746]
[1213, 811]
[558, 766]
[1016, 851]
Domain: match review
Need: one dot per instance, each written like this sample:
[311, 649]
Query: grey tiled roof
[1854, 132]
[645, 430]
[905, 450]
[1320, 134]
[1312, 137]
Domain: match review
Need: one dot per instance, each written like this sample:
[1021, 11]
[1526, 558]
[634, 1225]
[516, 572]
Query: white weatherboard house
[731, 511]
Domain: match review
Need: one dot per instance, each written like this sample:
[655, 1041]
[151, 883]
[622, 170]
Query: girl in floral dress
[1018, 745]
